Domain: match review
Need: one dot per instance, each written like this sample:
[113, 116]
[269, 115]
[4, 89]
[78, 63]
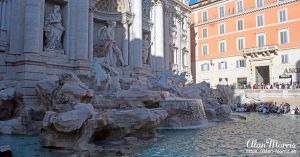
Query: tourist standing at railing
[254, 86]
[296, 110]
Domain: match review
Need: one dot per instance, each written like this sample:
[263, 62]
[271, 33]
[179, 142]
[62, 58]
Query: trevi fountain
[112, 78]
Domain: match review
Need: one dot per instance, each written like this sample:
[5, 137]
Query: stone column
[159, 35]
[125, 42]
[167, 38]
[3, 13]
[33, 27]
[137, 35]
[178, 42]
[82, 26]
[91, 29]
[189, 43]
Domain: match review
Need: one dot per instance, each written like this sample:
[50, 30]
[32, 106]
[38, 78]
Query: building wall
[232, 73]
[271, 26]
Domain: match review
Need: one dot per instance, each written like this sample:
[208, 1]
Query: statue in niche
[106, 35]
[146, 47]
[54, 30]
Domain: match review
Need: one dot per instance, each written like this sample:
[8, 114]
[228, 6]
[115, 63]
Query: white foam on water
[199, 126]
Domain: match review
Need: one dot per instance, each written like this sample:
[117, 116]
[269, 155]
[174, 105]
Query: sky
[193, 1]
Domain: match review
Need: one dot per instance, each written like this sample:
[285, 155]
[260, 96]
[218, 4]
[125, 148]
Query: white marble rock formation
[78, 129]
[61, 93]
[78, 117]
[212, 99]
[183, 112]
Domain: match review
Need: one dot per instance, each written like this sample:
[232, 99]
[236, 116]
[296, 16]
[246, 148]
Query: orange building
[246, 42]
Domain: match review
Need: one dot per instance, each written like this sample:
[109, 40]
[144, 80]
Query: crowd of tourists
[269, 86]
[279, 86]
[266, 108]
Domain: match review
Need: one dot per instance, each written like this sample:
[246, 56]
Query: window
[222, 65]
[222, 28]
[240, 6]
[259, 3]
[204, 49]
[221, 11]
[283, 36]
[259, 20]
[204, 33]
[240, 63]
[284, 59]
[260, 38]
[240, 43]
[204, 16]
[240, 24]
[222, 46]
[282, 15]
[205, 67]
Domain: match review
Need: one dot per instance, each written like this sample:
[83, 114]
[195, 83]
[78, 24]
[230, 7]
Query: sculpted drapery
[53, 30]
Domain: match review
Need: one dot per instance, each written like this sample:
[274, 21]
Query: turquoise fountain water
[225, 139]
[27, 146]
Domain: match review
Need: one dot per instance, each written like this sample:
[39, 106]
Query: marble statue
[106, 35]
[101, 76]
[146, 47]
[106, 76]
[180, 79]
[168, 81]
[54, 30]
[114, 78]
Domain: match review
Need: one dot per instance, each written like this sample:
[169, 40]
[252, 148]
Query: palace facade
[246, 42]
[39, 38]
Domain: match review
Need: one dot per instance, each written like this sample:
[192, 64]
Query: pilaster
[33, 27]
[158, 62]
[137, 35]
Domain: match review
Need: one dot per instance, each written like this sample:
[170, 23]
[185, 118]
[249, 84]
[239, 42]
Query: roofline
[201, 1]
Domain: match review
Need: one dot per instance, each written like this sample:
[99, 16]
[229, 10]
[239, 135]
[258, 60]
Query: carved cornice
[147, 24]
[168, 9]
[157, 2]
[92, 5]
[127, 18]
[184, 7]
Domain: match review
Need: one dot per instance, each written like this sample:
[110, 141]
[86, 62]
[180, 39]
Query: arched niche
[112, 10]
